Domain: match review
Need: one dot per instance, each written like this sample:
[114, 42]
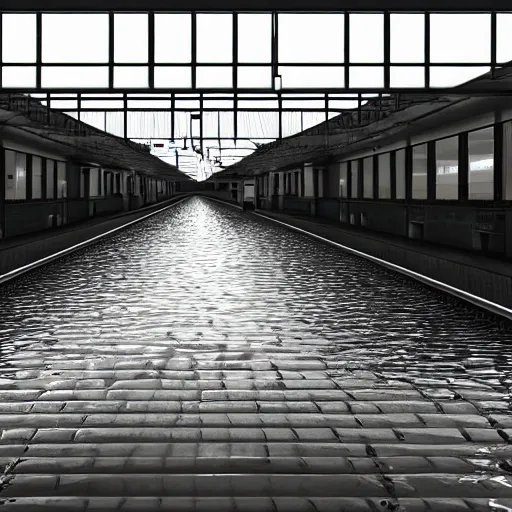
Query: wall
[23, 218]
[20, 252]
[480, 276]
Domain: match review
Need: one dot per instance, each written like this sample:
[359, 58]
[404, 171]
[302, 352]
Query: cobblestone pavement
[209, 360]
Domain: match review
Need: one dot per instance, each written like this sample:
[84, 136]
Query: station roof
[252, 5]
[80, 141]
[381, 120]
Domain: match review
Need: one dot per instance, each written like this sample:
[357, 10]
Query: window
[15, 48]
[37, 177]
[131, 37]
[354, 193]
[368, 178]
[173, 38]
[447, 168]
[255, 37]
[419, 172]
[214, 37]
[50, 179]
[312, 38]
[15, 176]
[407, 37]
[361, 25]
[343, 179]
[63, 37]
[400, 173]
[481, 164]
[384, 176]
[62, 184]
[82, 182]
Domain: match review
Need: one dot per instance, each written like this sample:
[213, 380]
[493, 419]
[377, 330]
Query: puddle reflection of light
[495, 506]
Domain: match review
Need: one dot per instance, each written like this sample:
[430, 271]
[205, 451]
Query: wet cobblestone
[210, 360]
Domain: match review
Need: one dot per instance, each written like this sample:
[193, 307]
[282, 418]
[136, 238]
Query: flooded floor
[207, 359]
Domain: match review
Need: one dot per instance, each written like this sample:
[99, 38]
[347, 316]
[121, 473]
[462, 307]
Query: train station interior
[256, 257]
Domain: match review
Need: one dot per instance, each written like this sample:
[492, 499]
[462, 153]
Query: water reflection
[201, 273]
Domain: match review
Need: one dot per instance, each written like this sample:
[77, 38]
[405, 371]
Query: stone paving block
[16, 407]
[286, 407]
[333, 407]
[484, 435]
[365, 435]
[454, 420]
[390, 420]
[431, 435]
[375, 395]
[16, 435]
[451, 486]
[317, 449]
[502, 420]
[404, 406]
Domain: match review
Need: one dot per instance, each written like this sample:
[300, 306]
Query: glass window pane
[61, 77]
[15, 175]
[214, 76]
[258, 124]
[173, 76]
[24, 76]
[470, 41]
[447, 168]
[37, 177]
[365, 76]
[407, 37]
[50, 178]
[131, 38]
[366, 38]
[343, 192]
[481, 164]
[419, 172]
[384, 177]
[149, 124]
[15, 48]
[173, 38]
[449, 77]
[311, 38]
[254, 38]
[400, 173]
[64, 37]
[94, 182]
[407, 76]
[214, 38]
[255, 76]
[318, 76]
[131, 76]
[368, 178]
[21, 176]
[62, 184]
[354, 193]
[504, 37]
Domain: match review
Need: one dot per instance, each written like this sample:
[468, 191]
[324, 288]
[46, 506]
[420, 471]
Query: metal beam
[253, 6]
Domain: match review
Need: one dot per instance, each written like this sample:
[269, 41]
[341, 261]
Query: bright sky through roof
[302, 38]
